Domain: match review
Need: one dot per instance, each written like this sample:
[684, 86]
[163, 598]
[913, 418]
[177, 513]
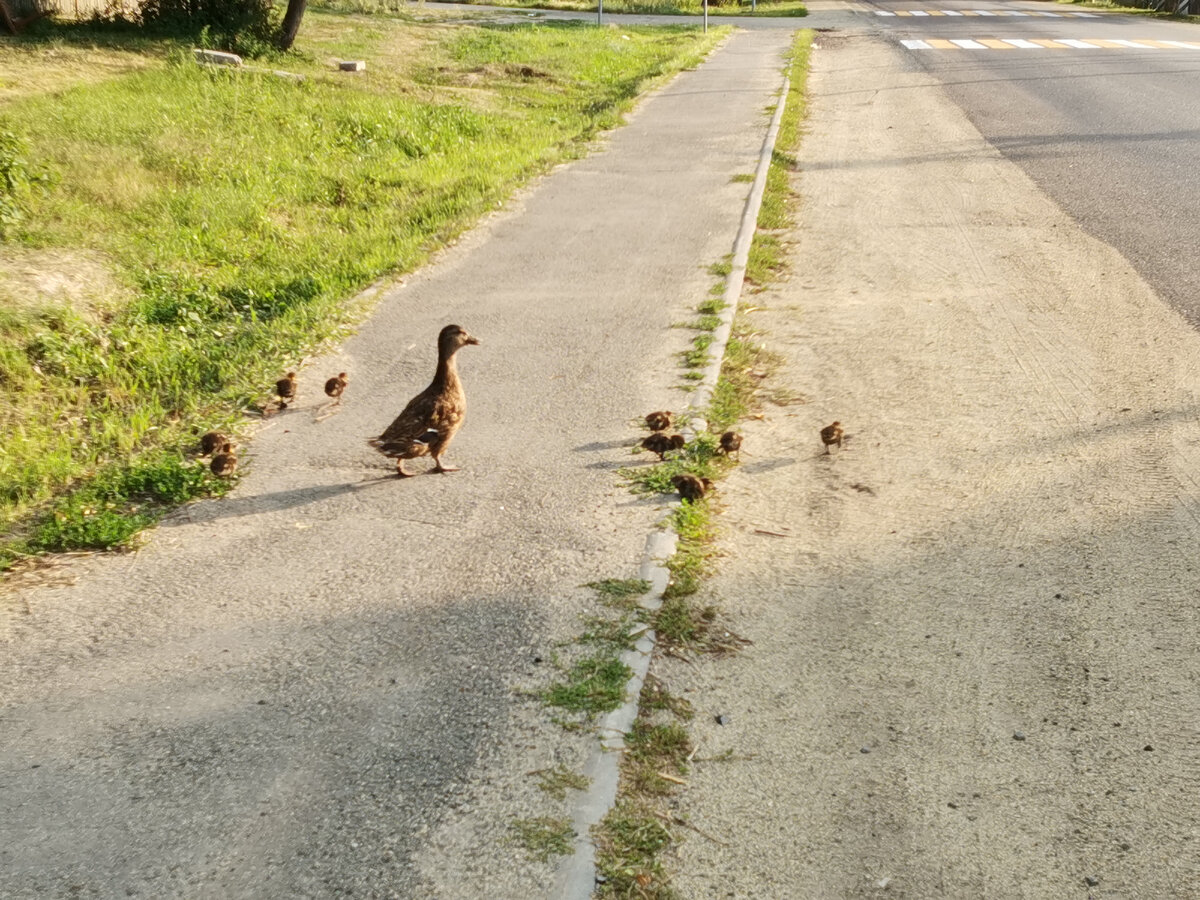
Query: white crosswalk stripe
[994, 43]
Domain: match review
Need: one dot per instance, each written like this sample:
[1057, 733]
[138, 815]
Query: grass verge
[188, 233]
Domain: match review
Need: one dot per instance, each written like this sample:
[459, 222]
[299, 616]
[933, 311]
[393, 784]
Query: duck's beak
[472, 340]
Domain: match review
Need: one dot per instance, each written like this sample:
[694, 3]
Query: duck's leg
[400, 473]
[443, 469]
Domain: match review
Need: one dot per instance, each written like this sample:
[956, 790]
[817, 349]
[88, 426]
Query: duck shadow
[238, 507]
[604, 445]
[767, 465]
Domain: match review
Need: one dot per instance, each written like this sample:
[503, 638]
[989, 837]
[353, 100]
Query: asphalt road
[1109, 133]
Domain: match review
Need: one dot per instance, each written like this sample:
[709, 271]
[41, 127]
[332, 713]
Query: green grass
[223, 220]
[593, 685]
[543, 837]
[629, 846]
[557, 781]
[621, 593]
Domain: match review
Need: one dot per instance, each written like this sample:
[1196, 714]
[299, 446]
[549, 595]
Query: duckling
[832, 434]
[285, 389]
[211, 442]
[663, 443]
[335, 386]
[692, 487]
[659, 421]
[431, 419]
[224, 463]
[731, 442]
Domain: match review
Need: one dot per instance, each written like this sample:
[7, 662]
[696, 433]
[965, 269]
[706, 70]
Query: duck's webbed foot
[438, 467]
[400, 473]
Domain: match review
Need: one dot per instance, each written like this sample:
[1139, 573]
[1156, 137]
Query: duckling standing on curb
[285, 389]
[663, 443]
[731, 442]
[832, 434]
[658, 421]
[224, 463]
[211, 442]
[335, 386]
[430, 420]
[691, 487]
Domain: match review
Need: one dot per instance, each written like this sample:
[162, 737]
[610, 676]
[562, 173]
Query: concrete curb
[577, 873]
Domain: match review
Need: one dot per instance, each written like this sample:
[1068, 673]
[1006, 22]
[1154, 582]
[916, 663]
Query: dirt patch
[40, 69]
[33, 279]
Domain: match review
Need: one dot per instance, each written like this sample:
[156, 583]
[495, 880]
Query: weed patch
[543, 837]
[557, 781]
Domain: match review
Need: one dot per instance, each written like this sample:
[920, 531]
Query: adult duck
[431, 419]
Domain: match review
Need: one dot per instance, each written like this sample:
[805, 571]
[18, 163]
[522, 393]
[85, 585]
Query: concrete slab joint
[577, 873]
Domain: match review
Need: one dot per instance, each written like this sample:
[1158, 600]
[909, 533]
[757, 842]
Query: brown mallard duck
[658, 421]
[224, 463]
[211, 442]
[662, 444]
[832, 434]
[335, 386]
[692, 487]
[285, 389]
[430, 420]
[731, 442]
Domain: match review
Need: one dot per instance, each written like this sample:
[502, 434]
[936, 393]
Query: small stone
[952, 805]
[1091, 881]
[1148, 748]
[864, 749]
[1018, 735]
[352, 65]
[722, 719]
[262, 702]
[1126, 847]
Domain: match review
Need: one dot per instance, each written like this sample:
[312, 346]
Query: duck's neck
[447, 371]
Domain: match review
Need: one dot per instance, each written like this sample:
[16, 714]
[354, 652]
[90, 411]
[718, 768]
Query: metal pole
[706, 16]
[599, 12]
[753, 5]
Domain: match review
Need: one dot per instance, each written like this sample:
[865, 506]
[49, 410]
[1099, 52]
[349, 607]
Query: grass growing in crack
[557, 781]
[593, 685]
[700, 458]
[655, 697]
[620, 593]
[629, 844]
[543, 837]
[692, 559]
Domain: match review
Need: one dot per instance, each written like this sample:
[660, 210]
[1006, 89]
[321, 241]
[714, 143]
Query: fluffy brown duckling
[335, 386]
[285, 389]
[662, 444]
[832, 434]
[224, 463]
[691, 487]
[731, 442]
[211, 442]
[658, 421]
[431, 419]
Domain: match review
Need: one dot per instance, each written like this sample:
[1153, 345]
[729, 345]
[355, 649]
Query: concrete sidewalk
[974, 671]
[313, 687]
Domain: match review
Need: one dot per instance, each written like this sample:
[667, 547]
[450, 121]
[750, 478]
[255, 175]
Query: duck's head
[453, 337]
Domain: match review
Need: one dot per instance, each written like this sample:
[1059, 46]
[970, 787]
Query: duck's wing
[414, 420]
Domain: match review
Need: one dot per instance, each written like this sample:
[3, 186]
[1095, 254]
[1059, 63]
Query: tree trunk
[291, 23]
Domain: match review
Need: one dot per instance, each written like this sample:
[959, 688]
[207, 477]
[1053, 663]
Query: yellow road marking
[1048, 44]
[1111, 45]
[995, 44]
[939, 44]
